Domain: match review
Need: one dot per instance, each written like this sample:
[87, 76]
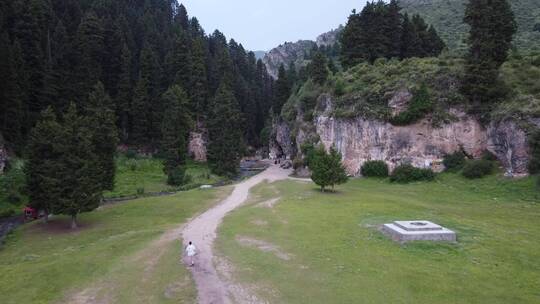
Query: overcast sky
[264, 24]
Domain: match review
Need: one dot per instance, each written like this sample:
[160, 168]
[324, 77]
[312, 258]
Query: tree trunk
[322, 188]
[74, 221]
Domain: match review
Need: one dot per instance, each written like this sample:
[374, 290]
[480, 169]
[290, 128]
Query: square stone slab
[418, 225]
[408, 231]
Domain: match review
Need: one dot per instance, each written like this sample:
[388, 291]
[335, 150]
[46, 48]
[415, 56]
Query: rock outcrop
[285, 54]
[3, 155]
[329, 38]
[197, 146]
[295, 52]
[281, 144]
[420, 144]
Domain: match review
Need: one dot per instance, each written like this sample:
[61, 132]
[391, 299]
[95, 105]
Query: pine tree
[90, 53]
[319, 68]
[104, 136]
[350, 41]
[181, 60]
[139, 113]
[77, 168]
[43, 167]
[125, 93]
[283, 90]
[12, 114]
[198, 79]
[392, 29]
[492, 26]
[326, 168]
[175, 130]
[226, 146]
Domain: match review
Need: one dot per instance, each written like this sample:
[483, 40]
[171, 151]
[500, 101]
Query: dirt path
[202, 232]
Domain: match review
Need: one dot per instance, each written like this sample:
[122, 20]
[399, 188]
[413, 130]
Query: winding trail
[202, 232]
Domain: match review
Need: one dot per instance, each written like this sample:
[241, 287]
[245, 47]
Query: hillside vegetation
[447, 17]
[366, 89]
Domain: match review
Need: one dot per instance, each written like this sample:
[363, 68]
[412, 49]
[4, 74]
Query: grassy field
[140, 175]
[135, 177]
[312, 247]
[125, 253]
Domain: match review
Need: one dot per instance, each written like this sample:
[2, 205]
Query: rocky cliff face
[3, 155]
[329, 38]
[295, 52]
[290, 52]
[197, 146]
[421, 144]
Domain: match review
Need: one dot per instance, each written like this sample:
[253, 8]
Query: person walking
[191, 251]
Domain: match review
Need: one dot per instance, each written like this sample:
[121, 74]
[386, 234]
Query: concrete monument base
[407, 231]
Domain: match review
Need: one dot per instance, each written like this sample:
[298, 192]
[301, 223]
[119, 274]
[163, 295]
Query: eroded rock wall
[197, 146]
[420, 144]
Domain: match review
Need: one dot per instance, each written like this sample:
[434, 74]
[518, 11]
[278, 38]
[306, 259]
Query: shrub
[478, 168]
[454, 161]
[420, 105]
[487, 155]
[7, 213]
[375, 168]
[176, 177]
[408, 173]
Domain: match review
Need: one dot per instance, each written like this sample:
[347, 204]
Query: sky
[261, 25]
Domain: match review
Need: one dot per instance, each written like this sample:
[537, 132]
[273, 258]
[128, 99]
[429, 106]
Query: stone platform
[407, 231]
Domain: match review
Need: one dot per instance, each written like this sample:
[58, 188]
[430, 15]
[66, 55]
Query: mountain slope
[447, 17]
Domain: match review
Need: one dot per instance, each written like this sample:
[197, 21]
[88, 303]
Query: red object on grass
[30, 213]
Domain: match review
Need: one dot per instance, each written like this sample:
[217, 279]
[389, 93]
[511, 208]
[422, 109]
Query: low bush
[478, 168]
[419, 106]
[375, 168]
[486, 155]
[454, 161]
[177, 177]
[408, 173]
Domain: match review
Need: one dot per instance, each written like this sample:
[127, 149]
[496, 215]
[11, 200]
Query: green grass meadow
[115, 257]
[137, 176]
[339, 256]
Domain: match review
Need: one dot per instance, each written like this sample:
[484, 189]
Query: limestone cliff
[421, 144]
[197, 146]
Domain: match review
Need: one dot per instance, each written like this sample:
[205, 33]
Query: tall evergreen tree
[43, 168]
[124, 93]
[90, 52]
[104, 135]
[225, 133]
[283, 90]
[492, 26]
[12, 114]
[198, 79]
[77, 168]
[319, 68]
[175, 130]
